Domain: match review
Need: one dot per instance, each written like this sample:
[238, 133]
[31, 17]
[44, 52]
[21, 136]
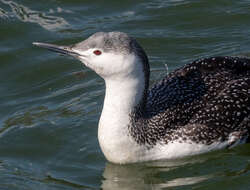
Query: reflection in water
[184, 181]
[154, 175]
[25, 14]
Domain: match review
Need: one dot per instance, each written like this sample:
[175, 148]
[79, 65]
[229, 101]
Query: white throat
[123, 93]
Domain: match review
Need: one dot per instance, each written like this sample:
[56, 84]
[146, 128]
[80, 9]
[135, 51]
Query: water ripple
[25, 14]
[161, 4]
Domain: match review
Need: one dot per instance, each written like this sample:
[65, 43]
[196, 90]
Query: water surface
[50, 104]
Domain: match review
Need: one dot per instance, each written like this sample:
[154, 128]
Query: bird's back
[202, 102]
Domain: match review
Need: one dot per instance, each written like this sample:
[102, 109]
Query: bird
[200, 107]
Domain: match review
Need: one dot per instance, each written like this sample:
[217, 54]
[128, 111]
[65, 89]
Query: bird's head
[109, 54]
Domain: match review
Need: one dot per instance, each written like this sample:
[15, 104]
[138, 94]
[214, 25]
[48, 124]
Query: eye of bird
[97, 52]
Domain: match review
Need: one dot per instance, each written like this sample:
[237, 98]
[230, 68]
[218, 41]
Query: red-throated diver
[202, 106]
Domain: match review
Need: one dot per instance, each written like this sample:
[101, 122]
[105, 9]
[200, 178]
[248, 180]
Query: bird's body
[197, 108]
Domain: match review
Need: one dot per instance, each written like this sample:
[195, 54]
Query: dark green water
[50, 105]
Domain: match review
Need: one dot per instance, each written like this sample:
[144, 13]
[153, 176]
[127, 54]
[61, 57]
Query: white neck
[122, 95]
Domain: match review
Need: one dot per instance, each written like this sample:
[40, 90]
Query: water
[50, 104]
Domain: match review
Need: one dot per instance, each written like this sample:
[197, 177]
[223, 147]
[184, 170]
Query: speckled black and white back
[203, 102]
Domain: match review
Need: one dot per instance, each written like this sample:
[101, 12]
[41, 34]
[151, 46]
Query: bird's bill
[59, 49]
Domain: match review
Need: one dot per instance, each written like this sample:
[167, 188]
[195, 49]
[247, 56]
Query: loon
[200, 107]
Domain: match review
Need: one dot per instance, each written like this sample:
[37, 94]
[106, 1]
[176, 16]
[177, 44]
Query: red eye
[97, 52]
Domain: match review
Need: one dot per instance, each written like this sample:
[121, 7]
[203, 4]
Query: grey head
[116, 42]
[107, 53]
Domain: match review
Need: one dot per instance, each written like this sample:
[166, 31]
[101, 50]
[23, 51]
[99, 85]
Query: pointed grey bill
[66, 50]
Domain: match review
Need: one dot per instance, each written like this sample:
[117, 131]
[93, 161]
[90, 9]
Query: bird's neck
[122, 97]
